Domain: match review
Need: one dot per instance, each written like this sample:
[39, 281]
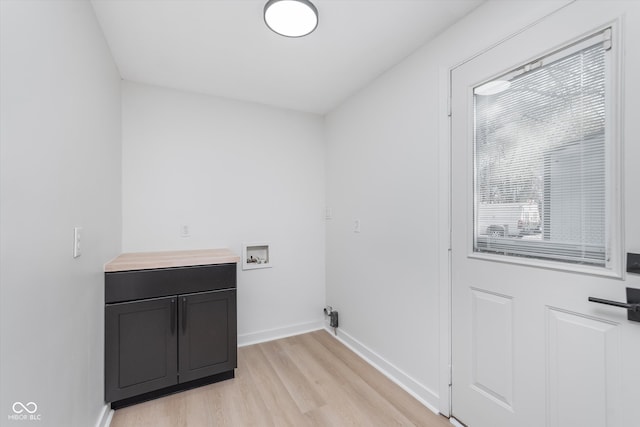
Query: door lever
[632, 304]
[632, 307]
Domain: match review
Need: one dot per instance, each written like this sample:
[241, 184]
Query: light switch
[328, 214]
[77, 236]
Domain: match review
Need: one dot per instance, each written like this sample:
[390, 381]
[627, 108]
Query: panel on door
[492, 350]
[568, 335]
[140, 347]
[207, 339]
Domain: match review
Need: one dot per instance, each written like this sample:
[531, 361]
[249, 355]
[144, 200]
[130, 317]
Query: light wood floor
[306, 380]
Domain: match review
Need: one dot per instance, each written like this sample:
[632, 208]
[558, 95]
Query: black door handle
[632, 305]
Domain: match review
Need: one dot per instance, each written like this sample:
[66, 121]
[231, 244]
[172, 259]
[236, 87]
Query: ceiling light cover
[291, 18]
[492, 87]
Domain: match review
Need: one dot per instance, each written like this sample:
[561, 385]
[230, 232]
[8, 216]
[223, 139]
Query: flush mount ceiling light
[492, 87]
[291, 18]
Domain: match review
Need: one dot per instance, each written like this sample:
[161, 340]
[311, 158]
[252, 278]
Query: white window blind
[539, 158]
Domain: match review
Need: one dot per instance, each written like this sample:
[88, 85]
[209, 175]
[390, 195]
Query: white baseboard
[277, 333]
[104, 420]
[423, 394]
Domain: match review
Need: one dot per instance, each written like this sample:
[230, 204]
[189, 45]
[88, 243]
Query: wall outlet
[185, 231]
[356, 225]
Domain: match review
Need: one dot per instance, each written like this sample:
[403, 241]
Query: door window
[542, 186]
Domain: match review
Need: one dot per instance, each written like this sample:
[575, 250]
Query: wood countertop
[150, 260]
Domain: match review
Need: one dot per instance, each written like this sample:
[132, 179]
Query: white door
[528, 348]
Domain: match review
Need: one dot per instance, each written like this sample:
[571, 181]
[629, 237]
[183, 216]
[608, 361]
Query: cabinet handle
[173, 316]
[184, 315]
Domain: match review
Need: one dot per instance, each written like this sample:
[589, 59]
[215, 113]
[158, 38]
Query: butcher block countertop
[150, 260]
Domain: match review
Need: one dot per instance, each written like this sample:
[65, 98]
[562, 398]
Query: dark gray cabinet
[207, 340]
[165, 343]
[141, 347]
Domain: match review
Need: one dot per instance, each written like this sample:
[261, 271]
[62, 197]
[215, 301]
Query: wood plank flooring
[305, 380]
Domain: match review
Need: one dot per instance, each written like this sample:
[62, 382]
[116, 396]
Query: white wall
[60, 168]
[233, 172]
[387, 165]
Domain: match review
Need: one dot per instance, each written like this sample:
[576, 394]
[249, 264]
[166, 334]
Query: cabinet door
[207, 338]
[140, 347]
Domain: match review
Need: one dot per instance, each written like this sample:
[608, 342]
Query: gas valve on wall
[333, 318]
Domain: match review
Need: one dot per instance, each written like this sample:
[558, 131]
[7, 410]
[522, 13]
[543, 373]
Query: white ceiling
[223, 47]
